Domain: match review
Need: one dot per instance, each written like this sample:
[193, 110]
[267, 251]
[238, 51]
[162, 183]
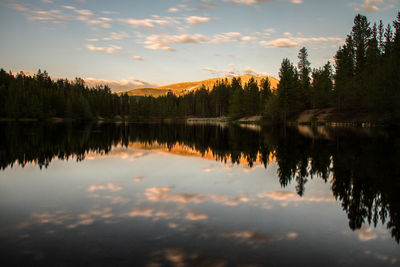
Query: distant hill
[186, 87]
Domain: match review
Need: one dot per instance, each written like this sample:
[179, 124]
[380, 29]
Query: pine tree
[344, 76]
[287, 89]
[361, 33]
[236, 102]
[322, 86]
[251, 98]
[304, 78]
[265, 93]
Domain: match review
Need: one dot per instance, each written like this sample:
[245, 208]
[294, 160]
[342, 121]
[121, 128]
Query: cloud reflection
[110, 186]
[286, 197]
[178, 257]
[91, 217]
[66, 219]
[196, 216]
[162, 194]
[366, 234]
[138, 179]
[147, 212]
[247, 237]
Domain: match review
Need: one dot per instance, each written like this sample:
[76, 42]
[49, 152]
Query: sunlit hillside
[186, 87]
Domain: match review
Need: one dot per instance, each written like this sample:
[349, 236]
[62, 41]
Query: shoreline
[312, 117]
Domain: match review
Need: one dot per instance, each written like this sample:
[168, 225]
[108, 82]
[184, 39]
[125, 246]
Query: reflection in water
[364, 169]
[361, 168]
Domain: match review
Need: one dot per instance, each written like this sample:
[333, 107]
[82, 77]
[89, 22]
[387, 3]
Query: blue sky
[166, 41]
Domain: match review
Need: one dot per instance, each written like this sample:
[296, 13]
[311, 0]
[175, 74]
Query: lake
[198, 195]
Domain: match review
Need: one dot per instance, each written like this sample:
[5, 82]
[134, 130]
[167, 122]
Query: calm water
[176, 195]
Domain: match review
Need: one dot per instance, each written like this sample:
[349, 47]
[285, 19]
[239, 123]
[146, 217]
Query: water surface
[180, 195]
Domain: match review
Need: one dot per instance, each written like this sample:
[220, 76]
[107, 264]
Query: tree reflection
[363, 169]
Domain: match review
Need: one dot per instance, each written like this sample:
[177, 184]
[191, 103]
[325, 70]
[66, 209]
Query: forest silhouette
[364, 80]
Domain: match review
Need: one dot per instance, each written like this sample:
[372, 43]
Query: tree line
[364, 80]
[24, 96]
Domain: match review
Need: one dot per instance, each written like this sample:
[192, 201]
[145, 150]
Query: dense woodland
[364, 78]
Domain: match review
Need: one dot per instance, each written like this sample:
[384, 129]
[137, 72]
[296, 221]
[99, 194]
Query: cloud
[61, 217]
[366, 233]
[90, 217]
[158, 46]
[150, 212]
[116, 36]
[56, 217]
[280, 42]
[109, 12]
[211, 70]
[253, 72]
[92, 39]
[173, 10]
[206, 4]
[162, 42]
[248, 2]
[370, 8]
[269, 32]
[105, 19]
[292, 235]
[286, 197]
[110, 186]
[178, 257]
[69, 7]
[122, 86]
[89, 17]
[109, 50]
[371, 5]
[102, 22]
[231, 73]
[138, 58]
[196, 20]
[54, 16]
[374, 5]
[247, 237]
[149, 23]
[196, 216]
[163, 195]
[290, 41]
[203, 7]
[18, 7]
[147, 212]
[117, 199]
[84, 12]
[230, 37]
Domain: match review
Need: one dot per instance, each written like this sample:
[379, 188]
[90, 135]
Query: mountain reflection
[362, 168]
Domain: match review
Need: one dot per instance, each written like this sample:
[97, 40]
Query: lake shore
[327, 117]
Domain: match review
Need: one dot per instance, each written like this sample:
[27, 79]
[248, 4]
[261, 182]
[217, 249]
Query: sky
[154, 42]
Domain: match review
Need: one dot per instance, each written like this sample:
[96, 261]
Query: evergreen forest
[363, 79]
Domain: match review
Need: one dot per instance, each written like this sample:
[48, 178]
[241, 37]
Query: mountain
[186, 87]
[119, 86]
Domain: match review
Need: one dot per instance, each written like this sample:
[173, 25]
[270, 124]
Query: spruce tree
[304, 78]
